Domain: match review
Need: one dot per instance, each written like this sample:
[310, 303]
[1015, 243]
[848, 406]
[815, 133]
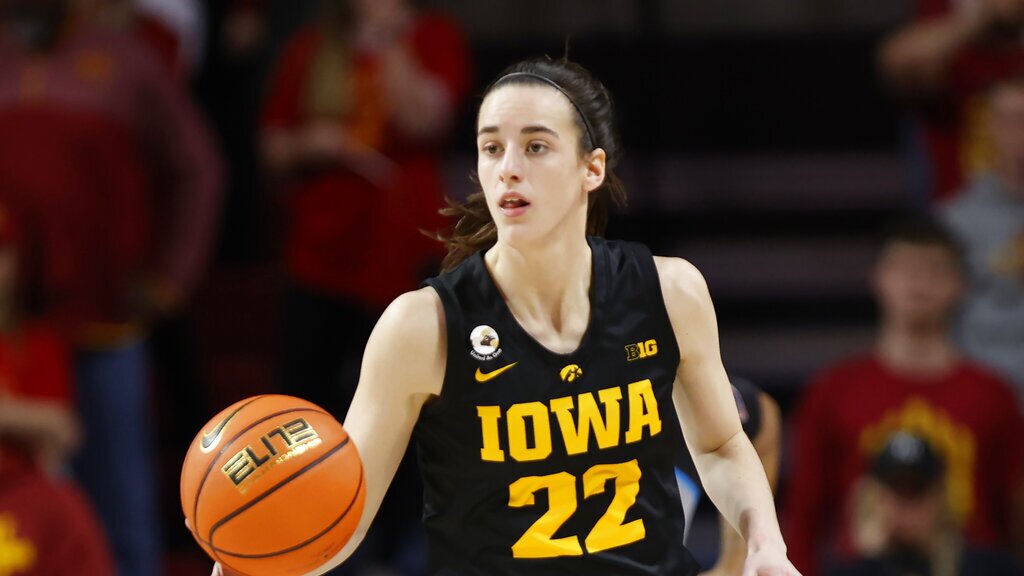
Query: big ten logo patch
[641, 350]
[17, 556]
[278, 445]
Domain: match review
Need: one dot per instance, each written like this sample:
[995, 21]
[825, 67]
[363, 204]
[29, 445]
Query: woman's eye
[491, 149]
[537, 147]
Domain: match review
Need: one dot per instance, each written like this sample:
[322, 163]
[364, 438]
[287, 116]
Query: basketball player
[546, 373]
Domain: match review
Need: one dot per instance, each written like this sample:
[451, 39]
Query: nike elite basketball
[272, 486]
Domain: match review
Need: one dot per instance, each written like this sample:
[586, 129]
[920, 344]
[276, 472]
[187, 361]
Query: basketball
[273, 485]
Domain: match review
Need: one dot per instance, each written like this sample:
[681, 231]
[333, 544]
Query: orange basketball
[272, 486]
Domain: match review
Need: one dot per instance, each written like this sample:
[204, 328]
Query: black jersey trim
[649, 270]
[449, 305]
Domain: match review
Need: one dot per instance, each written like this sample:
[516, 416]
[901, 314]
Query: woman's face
[529, 165]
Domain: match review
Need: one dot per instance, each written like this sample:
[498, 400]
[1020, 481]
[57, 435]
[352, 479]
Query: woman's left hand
[768, 562]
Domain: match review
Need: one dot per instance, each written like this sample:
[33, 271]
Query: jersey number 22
[608, 532]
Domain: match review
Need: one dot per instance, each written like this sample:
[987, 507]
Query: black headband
[553, 84]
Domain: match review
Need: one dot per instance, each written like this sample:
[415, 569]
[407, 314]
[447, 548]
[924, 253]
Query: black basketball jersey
[542, 463]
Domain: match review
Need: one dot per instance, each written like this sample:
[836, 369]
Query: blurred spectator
[359, 104]
[118, 176]
[914, 380]
[179, 25]
[46, 525]
[924, 9]
[231, 86]
[902, 523]
[943, 64]
[244, 27]
[988, 218]
[173, 29]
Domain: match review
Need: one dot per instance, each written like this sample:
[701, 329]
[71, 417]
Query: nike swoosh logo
[484, 377]
[210, 438]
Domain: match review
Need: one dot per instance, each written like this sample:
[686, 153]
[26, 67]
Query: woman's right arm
[767, 443]
[403, 366]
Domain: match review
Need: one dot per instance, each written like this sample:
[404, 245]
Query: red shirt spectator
[35, 393]
[46, 526]
[944, 63]
[353, 233]
[48, 529]
[115, 171]
[175, 29]
[968, 415]
[34, 365]
[955, 126]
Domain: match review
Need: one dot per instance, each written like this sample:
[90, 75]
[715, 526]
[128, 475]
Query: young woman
[546, 373]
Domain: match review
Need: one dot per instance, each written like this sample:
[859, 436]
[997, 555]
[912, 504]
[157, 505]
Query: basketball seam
[310, 540]
[220, 453]
[276, 487]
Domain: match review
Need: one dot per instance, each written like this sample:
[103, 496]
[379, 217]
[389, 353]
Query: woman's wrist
[760, 540]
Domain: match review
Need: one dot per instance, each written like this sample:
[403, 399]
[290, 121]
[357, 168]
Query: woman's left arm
[729, 467]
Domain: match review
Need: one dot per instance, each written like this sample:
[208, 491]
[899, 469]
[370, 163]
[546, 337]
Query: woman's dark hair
[475, 230]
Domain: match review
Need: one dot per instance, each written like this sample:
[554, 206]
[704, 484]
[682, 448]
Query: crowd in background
[181, 180]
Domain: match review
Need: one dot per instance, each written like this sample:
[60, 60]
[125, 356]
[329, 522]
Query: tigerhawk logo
[571, 373]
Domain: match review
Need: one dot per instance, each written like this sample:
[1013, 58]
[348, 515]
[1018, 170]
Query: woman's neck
[546, 286]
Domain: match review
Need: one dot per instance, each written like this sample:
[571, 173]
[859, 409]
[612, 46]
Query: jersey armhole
[652, 281]
[448, 305]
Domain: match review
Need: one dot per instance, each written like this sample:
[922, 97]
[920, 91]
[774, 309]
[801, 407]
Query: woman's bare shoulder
[409, 343]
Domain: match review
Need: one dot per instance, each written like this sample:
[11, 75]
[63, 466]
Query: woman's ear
[595, 166]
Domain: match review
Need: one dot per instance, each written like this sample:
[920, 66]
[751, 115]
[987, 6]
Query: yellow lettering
[641, 350]
[643, 411]
[489, 417]
[517, 440]
[611, 530]
[651, 347]
[539, 541]
[576, 434]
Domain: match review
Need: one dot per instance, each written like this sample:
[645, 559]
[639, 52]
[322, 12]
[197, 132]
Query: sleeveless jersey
[539, 463]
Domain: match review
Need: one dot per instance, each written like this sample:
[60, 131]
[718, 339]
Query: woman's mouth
[512, 205]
